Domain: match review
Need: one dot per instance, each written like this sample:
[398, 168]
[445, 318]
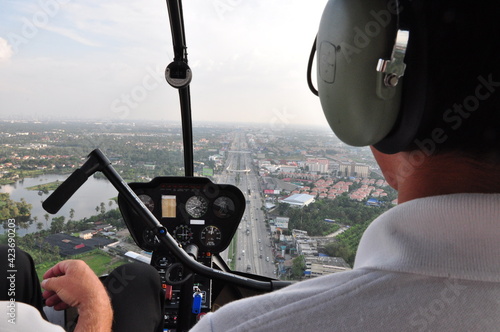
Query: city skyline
[105, 61]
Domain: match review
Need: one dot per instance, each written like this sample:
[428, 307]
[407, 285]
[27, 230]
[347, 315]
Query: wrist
[95, 316]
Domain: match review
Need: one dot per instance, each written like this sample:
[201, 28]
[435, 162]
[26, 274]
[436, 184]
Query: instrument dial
[148, 201]
[183, 234]
[150, 238]
[196, 206]
[211, 236]
[224, 207]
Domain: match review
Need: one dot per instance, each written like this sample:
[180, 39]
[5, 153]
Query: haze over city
[62, 59]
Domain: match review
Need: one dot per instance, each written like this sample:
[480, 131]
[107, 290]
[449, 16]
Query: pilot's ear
[390, 165]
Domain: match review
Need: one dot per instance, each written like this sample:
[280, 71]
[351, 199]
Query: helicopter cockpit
[184, 222]
[419, 266]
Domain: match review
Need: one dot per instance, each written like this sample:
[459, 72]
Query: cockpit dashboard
[195, 211]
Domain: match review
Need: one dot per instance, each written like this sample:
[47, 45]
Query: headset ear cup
[414, 111]
[352, 37]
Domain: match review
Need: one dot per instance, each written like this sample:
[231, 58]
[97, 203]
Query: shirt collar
[455, 236]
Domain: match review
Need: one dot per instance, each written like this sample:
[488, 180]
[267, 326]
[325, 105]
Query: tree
[339, 249]
[298, 267]
[71, 213]
[46, 216]
[24, 225]
[24, 207]
[57, 224]
[103, 208]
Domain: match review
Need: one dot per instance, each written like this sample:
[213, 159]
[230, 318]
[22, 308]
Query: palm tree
[24, 225]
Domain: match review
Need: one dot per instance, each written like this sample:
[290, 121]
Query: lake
[84, 201]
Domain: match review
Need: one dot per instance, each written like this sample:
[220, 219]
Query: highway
[253, 252]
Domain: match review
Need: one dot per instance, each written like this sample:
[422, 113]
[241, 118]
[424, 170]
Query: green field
[99, 261]
[46, 187]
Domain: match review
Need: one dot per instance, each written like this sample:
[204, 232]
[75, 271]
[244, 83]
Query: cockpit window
[78, 76]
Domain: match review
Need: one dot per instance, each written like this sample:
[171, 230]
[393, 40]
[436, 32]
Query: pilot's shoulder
[24, 317]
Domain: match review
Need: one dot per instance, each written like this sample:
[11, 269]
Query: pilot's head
[402, 75]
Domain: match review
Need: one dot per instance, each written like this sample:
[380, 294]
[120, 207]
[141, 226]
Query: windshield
[81, 75]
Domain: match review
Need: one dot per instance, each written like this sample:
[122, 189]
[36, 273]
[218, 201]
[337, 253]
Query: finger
[46, 294]
[54, 284]
[55, 271]
[53, 300]
[61, 306]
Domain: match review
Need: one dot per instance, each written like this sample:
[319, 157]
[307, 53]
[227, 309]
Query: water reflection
[84, 202]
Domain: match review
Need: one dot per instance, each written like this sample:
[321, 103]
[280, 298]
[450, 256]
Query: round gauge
[224, 207]
[196, 206]
[148, 201]
[150, 238]
[211, 236]
[183, 234]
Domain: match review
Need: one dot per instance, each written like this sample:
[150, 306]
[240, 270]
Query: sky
[105, 60]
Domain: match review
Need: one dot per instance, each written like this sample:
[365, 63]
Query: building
[354, 170]
[288, 169]
[70, 245]
[317, 266]
[298, 200]
[281, 222]
[301, 244]
[86, 234]
[319, 165]
[269, 183]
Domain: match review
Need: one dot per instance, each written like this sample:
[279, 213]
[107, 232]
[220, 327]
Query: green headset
[407, 74]
[363, 47]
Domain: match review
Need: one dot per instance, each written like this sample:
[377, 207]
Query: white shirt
[430, 264]
[22, 317]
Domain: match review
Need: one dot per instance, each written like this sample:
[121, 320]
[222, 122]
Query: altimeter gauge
[211, 236]
[196, 206]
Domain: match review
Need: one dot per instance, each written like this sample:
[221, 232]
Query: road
[254, 253]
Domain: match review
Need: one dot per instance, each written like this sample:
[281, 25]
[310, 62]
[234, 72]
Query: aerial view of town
[308, 196]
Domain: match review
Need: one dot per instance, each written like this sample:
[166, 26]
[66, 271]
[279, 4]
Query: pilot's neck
[415, 175]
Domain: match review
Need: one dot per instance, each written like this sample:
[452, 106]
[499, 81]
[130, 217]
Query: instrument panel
[194, 210]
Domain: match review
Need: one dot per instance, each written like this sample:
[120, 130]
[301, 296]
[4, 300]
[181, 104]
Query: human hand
[72, 283]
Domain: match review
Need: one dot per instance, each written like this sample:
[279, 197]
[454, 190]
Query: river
[83, 202]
